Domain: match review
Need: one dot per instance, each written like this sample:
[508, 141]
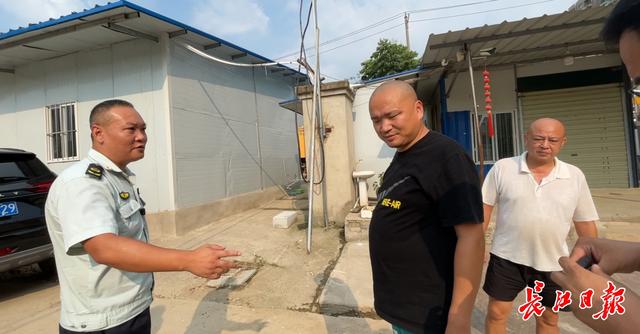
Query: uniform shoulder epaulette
[95, 170]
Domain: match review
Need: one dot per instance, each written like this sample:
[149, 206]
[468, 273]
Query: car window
[11, 170]
[21, 167]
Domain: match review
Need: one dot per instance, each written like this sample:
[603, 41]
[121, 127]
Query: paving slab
[171, 316]
[280, 298]
[234, 278]
[615, 204]
[349, 288]
[287, 277]
[191, 317]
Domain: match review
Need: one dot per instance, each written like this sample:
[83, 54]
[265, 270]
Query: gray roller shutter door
[594, 120]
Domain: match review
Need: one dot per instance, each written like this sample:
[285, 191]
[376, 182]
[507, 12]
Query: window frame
[496, 138]
[65, 133]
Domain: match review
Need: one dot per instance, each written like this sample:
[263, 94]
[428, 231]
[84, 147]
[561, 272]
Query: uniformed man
[95, 217]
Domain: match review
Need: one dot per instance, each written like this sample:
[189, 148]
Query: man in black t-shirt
[426, 238]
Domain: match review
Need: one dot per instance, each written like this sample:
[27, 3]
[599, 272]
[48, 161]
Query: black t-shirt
[425, 192]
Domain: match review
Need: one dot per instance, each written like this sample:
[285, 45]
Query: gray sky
[271, 27]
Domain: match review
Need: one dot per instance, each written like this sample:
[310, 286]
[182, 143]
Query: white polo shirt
[80, 205]
[533, 220]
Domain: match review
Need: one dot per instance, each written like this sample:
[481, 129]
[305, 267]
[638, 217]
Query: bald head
[548, 125]
[397, 114]
[544, 140]
[400, 89]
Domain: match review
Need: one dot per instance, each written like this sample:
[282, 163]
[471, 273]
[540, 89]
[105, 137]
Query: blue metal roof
[112, 5]
[394, 75]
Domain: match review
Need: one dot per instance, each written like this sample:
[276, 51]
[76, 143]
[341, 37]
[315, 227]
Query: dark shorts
[505, 279]
[140, 324]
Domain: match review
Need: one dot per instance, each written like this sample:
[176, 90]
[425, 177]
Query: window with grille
[503, 144]
[62, 133]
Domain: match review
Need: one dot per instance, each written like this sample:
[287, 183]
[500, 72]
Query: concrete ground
[282, 297]
[328, 291]
[619, 210]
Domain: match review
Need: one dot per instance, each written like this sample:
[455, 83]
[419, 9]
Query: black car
[24, 185]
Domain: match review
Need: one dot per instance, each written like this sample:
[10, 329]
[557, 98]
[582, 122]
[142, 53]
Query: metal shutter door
[594, 120]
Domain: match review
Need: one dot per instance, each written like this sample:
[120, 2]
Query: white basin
[361, 176]
[364, 174]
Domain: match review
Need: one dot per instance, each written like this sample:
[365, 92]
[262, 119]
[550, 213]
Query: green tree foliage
[389, 58]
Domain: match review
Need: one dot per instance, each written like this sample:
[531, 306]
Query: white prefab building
[218, 140]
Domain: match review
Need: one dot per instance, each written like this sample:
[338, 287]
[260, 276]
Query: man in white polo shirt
[95, 217]
[537, 198]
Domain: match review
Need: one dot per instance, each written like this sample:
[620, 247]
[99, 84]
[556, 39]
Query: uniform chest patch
[124, 195]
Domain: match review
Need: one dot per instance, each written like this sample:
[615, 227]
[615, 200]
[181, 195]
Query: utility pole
[478, 136]
[316, 116]
[406, 29]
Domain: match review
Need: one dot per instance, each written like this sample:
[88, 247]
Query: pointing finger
[227, 253]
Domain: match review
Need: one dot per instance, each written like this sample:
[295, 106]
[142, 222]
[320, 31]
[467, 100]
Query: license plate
[8, 209]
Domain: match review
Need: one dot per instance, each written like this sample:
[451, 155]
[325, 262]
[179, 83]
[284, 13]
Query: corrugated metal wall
[226, 123]
[594, 120]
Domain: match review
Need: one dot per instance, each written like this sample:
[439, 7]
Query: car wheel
[48, 267]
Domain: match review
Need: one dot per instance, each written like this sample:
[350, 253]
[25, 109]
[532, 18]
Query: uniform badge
[124, 195]
[95, 170]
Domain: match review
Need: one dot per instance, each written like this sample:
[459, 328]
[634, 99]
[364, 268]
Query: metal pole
[318, 91]
[314, 108]
[406, 29]
[311, 165]
[475, 115]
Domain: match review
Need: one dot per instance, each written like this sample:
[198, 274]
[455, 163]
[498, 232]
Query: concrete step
[356, 228]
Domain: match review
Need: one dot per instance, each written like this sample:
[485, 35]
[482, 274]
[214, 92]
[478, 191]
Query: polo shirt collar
[560, 170]
[107, 164]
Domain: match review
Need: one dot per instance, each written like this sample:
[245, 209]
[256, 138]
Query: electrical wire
[362, 38]
[301, 56]
[481, 12]
[386, 20]
[433, 19]
[303, 31]
[302, 61]
[391, 18]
